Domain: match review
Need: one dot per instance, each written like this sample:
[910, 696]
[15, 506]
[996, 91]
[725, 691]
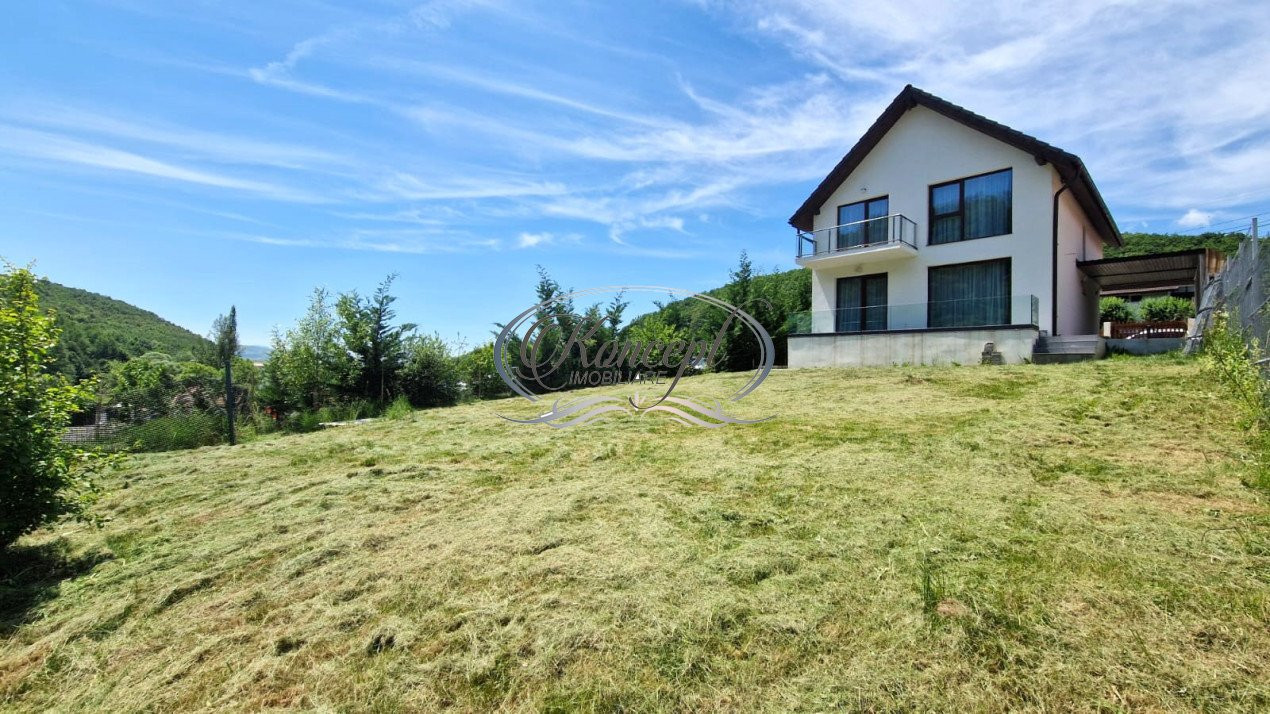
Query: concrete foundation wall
[899, 348]
[1146, 346]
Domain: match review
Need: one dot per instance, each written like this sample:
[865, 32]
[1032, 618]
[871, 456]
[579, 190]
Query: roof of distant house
[1069, 166]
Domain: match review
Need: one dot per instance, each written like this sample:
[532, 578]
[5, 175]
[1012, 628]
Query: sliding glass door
[969, 294]
[854, 224]
[861, 303]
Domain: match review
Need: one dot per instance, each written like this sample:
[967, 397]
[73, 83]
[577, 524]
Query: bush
[42, 478]
[301, 422]
[1230, 358]
[1166, 309]
[477, 369]
[430, 376]
[1114, 309]
[347, 411]
[399, 409]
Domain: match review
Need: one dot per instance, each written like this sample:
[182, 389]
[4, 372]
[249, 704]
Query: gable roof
[1069, 166]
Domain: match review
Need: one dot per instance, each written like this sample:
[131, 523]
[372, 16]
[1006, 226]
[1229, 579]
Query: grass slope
[1061, 538]
[97, 329]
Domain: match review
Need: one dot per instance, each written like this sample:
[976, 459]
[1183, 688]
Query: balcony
[868, 241]
[968, 313]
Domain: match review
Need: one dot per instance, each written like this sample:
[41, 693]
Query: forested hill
[1146, 243]
[774, 299]
[97, 329]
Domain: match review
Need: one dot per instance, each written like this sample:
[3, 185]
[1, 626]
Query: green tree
[741, 350]
[153, 385]
[653, 329]
[1147, 243]
[225, 338]
[42, 478]
[477, 369]
[308, 367]
[377, 346]
[430, 375]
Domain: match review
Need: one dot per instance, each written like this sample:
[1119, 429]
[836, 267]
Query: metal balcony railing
[869, 233]
[968, 313]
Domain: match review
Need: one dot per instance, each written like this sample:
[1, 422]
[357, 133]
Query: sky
[187, 156]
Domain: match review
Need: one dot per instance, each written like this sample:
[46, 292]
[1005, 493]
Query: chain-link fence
[157, 418]
[1240, 290]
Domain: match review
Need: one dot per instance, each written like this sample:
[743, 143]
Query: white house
[942, 231]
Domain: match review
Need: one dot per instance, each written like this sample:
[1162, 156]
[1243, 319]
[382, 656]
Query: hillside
[1061, 538]
[1147, 243]
[97, 329]
[787, 293]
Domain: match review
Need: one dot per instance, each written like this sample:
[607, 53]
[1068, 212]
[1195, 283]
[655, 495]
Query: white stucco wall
[1077, 294]
[925, 148]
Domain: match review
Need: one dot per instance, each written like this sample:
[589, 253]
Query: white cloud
[1195, 218]
[529, 240]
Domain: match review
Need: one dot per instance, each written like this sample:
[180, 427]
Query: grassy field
[1059, 538]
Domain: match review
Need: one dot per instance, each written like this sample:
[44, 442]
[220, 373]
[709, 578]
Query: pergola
[1158, 271]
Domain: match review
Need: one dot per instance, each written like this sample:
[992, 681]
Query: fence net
[156, 418]
[1240, 291]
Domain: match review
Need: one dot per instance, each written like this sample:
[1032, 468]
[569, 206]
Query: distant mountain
[255, 353]
[97, 329]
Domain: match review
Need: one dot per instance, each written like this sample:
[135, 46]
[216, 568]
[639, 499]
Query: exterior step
[1061, 357]
[1068, 348]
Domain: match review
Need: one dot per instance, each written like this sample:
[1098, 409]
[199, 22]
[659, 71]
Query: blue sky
[186, 156]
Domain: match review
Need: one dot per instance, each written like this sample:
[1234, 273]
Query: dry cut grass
[1061, 538]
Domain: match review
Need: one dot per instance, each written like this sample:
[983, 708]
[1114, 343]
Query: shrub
[1114, 309]
[1230, 358]
[42, 478]
[477, 369]
[1166, 309]
[399, 409]
[301, 422]
[430, 376]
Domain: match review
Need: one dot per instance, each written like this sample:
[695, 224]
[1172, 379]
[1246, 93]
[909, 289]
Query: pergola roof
[1144, 272]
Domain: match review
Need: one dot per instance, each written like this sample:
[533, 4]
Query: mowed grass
[1057, 538]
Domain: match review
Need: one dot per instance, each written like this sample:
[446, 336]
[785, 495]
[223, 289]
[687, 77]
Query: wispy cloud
[54, 147]
[452, 132]
[1149, 105]
[206, 145]
[413, 188]
[411, 242]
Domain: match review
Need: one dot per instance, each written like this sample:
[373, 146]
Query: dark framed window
[969, 208]
[861, 303]
[852, 228]
[969, 294]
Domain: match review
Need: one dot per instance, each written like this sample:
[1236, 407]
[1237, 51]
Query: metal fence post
[230, 406]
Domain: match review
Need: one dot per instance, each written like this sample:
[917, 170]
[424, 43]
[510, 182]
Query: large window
[852, 228]
[976, 207]
[861, 303]
[969, 294]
